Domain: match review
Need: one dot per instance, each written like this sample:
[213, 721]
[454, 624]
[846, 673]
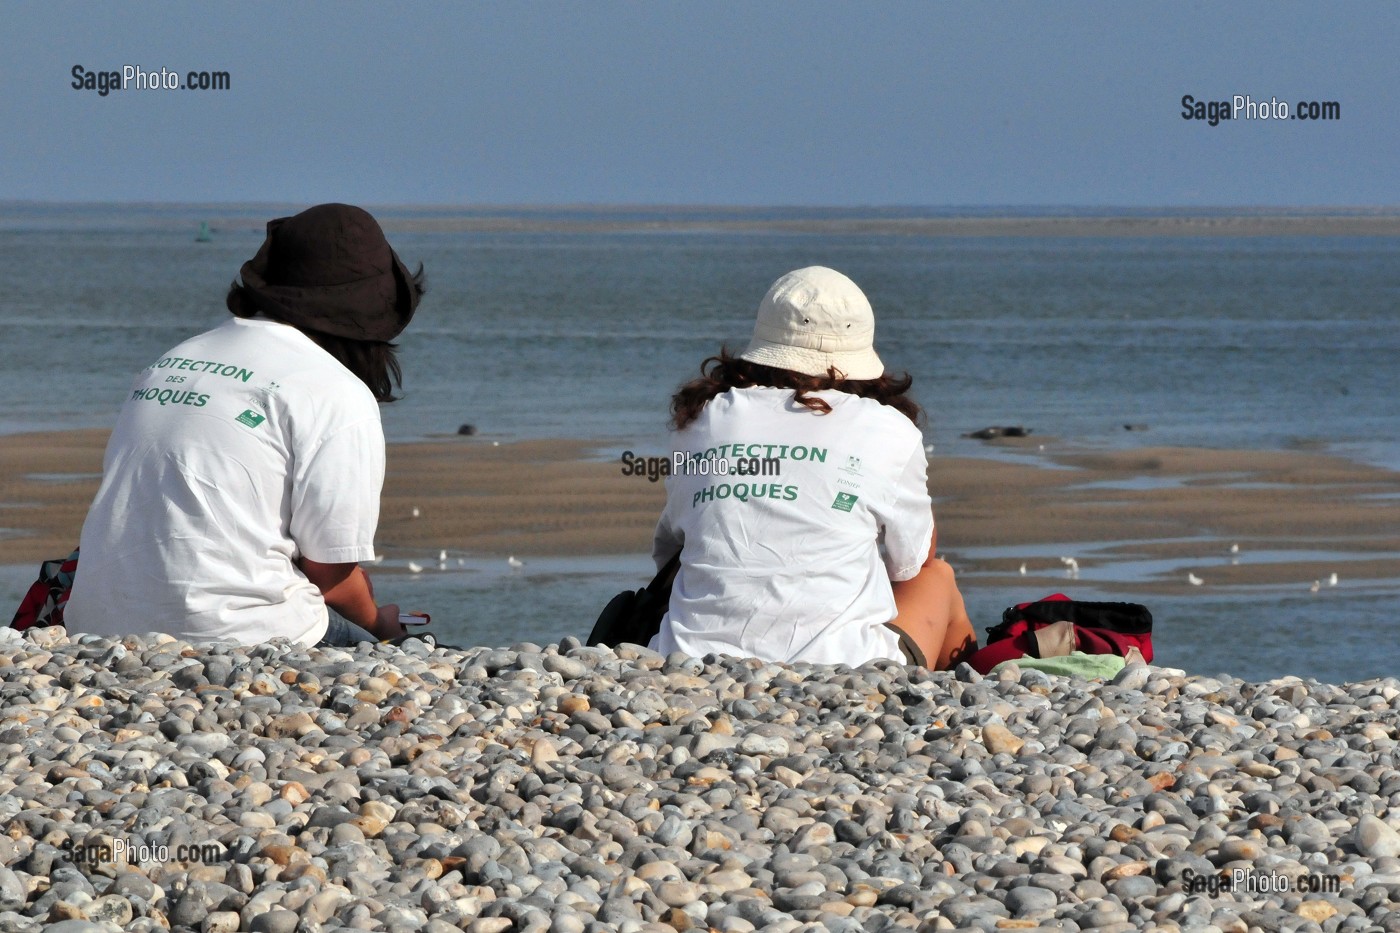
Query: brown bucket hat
[330, 269]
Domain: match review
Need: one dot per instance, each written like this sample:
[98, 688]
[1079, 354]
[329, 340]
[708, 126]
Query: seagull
[1023, 570]
[928, 448]
[1071, 566]
[378, 558]
[416, 513]
[1317, 585]
[1234, 549]
[514, 563]
[414, 568]
[1332, 580]
[442, 557]
[1192, 579]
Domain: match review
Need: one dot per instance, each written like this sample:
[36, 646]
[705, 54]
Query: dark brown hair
[374, 362]
[719, 374]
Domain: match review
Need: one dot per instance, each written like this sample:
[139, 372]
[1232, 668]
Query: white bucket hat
[814, 319]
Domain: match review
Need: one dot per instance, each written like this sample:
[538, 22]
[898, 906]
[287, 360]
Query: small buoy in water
[467, 430]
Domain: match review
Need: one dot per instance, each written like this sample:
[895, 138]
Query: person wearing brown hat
[241, 484]
[798, 499]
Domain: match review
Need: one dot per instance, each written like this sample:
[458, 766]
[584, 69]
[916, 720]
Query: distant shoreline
[1033, 222]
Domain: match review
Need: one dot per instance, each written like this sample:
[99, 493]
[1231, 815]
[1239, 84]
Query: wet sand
[1021, 506]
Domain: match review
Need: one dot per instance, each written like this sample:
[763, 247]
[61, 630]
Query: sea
[579, 322]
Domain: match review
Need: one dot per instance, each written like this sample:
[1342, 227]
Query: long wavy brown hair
[719, 374]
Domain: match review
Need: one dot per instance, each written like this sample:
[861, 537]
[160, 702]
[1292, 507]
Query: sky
[705, 103]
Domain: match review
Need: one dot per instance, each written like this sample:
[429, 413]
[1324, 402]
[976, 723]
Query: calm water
[1218, 342]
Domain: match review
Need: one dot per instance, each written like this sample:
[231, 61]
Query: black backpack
[634, 616]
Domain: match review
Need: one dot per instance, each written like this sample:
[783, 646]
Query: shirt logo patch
[251, 418]
[844, 501]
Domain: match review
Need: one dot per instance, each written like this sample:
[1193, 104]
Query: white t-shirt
[236, 453]
[794, 566]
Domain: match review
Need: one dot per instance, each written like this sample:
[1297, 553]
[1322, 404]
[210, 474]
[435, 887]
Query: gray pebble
[274, 921]
[1374, 838]
[1029, 900]
[12, 893]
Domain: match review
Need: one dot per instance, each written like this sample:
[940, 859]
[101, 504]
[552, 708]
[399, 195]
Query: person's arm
[347, 590]
[930, 610]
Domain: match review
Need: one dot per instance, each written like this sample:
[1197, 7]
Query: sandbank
[1242, 222]
[1180, 506]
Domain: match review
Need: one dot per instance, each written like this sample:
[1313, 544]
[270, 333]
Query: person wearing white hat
[798, 499]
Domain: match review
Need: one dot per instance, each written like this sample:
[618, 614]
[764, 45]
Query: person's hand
[387, 624]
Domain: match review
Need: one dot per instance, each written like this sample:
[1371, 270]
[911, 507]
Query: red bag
[44, 603]
[1057, 625]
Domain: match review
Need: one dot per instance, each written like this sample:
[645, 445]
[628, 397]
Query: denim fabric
[343, 634]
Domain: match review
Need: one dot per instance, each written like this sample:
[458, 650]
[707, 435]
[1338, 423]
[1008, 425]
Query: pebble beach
[565, 788]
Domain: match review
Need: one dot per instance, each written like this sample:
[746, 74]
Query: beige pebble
[222, 921]
[727, 879]
[1000, 739]
[358, 756]
[255, 819]
[1151, 821]
[371, 826]
[256, 792]
[574, 704]
[1029, 844]
[1126, 870]
[379, 810]
[295, 793]
[1316, 911]
[678, 893]
[543, 753]
[661, 870]
[62, 910]
[303, 870]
